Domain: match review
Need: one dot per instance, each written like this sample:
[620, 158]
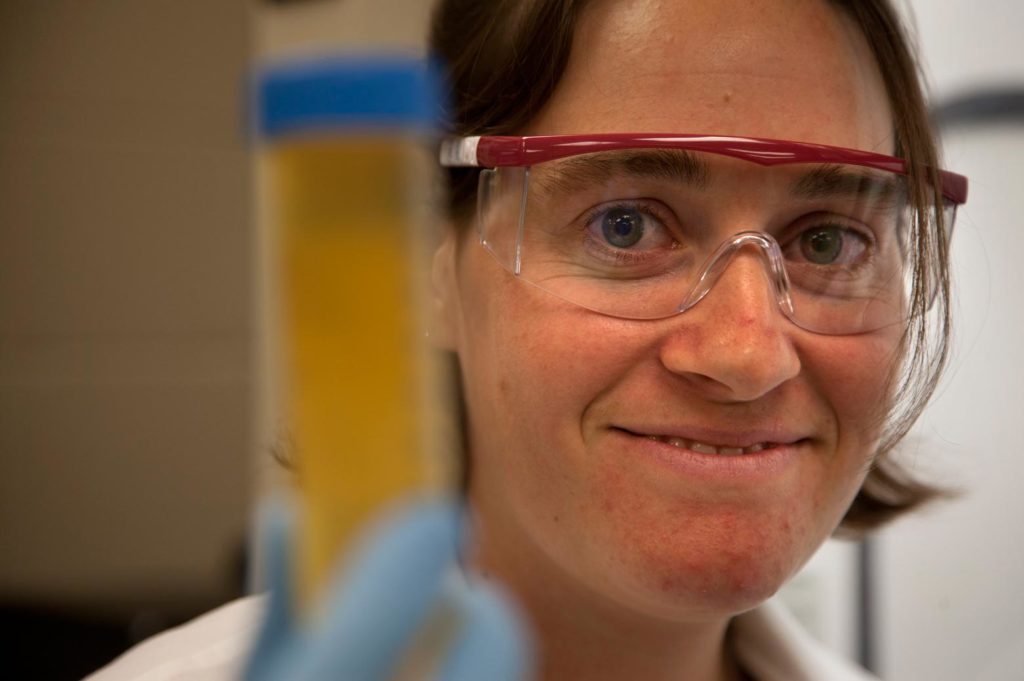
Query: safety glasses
[641, 226]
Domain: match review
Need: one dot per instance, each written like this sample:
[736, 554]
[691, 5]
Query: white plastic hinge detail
[459, 153]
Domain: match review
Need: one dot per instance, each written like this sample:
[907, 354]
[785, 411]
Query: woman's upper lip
[740, 436]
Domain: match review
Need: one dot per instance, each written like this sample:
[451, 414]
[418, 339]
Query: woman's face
[569, 485]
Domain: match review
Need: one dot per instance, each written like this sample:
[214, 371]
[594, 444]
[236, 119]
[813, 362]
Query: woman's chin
[711, 574]
[690, 596]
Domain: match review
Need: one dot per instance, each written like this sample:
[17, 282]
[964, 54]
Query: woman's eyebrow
[577, 172]
[831, 180]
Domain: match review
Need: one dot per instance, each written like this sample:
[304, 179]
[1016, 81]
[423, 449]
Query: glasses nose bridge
[718, 262]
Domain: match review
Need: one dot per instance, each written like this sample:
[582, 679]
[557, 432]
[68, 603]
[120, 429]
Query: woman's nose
[735, 344]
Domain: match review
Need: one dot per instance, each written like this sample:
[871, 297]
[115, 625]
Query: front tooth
[753, 449]
[702, 448]
[730, 451]
[676, 442]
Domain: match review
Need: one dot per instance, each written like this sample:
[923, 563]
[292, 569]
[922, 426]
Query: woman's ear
[444, 295]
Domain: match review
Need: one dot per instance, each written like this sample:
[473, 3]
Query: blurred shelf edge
[991, 105]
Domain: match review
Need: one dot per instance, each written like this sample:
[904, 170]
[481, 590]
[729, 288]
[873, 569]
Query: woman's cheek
[854, 375]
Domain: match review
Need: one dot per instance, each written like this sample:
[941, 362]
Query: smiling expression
[684, 467]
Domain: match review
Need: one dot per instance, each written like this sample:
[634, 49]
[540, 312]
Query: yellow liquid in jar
[352, 338]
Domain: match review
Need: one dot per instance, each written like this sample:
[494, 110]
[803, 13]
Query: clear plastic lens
[645, 234]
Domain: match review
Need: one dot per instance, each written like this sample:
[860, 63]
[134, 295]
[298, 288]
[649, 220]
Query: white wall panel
[951, 603]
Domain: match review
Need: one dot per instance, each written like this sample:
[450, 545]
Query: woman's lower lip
[772, 461]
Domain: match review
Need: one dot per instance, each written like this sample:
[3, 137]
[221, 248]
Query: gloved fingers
[383, 595]
[393, 586]
[275, 525]
[494, 641]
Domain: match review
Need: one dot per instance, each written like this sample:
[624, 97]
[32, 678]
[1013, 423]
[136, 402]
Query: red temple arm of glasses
[496, 151]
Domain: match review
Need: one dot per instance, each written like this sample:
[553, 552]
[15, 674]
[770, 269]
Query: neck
[582, 634]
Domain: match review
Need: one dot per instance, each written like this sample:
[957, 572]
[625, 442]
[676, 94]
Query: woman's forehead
[787, 69]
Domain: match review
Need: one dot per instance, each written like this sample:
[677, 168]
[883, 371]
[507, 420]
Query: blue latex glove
[381, 600]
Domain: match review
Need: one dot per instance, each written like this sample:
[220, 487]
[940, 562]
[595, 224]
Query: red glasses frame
[496, 151]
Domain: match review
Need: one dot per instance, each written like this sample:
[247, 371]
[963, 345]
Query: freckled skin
[573, 525]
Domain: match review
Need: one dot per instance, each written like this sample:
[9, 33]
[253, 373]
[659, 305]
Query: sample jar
[345, 175]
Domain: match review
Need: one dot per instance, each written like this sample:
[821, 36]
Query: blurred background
[129, 424]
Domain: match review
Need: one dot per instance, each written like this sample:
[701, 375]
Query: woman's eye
[831, 245]
[632, 228]
[623, 227]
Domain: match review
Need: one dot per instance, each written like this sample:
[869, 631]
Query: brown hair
[505, 58]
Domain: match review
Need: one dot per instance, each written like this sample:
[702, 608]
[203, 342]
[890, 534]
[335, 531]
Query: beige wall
[348, 24]
[125, 379]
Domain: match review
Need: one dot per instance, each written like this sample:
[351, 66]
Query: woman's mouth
[718, 456]
[705, 448]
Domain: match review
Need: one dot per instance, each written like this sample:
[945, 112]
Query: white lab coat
[768, 641]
